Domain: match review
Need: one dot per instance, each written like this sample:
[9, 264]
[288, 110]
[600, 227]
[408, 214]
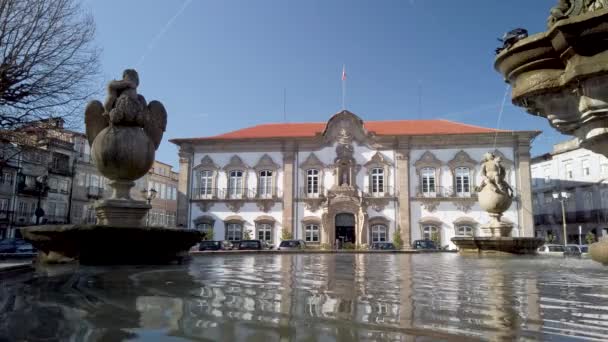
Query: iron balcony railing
[379, 191]
[242, 193]
[312, 192]
[444, 192]
[54, 219]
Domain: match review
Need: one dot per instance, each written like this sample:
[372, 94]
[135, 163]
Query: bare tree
[48, 61]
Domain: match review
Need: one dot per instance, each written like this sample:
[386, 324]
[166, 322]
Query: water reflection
[320, 297]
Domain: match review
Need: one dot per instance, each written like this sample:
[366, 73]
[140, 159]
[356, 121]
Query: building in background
[348, 180]
[583, 176]
[48, 164]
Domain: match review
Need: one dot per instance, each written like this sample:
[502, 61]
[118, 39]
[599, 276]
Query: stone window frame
[265, 220]
[236, 164]
[204, 219]
[378, 161]
[206, 164]
[234, 219]
[267, 164]
[428, 221]
[463, 160]
[312, 162]
[378, 221]
[428, 160]
[465, 221]
[311, 221]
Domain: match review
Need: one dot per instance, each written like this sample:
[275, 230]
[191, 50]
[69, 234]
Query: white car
[551, 250]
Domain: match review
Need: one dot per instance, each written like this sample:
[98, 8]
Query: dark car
[291, 245]
[383, 246]
[573, 251]
[16, 246]
[424, 244]
[251, 245]
[210, 246]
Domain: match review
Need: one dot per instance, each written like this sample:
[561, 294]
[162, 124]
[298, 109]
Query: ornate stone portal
[124, 134]
[562, 75]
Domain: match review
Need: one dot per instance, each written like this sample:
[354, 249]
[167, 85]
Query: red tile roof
[310, 129]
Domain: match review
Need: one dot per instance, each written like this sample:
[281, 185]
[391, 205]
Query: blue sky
[224, 64]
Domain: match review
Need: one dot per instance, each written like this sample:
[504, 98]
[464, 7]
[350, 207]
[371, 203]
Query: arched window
[235, 184]
[464, 230]
[312, 182]
[206, 184]
[265, 184]
[463, 182]
[377, 181]
[234, 231]
[311, 233]
[265, 232]
[379, 233]
[428, 181]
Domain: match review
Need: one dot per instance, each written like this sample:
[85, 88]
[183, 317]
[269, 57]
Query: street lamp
[562, 197]
[149, 195]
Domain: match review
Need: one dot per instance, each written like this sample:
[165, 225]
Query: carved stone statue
[493, 174]
[495, 194]
[570, 8]
[124, 134]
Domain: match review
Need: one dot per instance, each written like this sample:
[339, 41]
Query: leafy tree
[590, 238]
[247, 234]
[286, 235]
[397, 241]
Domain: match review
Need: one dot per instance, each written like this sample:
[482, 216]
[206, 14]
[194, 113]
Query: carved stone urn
[124, 134]
[495, 203]
[562, 74]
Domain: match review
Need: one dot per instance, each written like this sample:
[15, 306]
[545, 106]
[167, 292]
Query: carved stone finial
[570, 8]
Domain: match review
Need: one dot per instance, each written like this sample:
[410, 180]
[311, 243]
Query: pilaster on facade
[186, 156]
[523, 184]
[288, 188]
[402, 170]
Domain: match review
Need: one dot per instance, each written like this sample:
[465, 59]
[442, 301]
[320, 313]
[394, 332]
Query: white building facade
[583, 176]
[348, 180]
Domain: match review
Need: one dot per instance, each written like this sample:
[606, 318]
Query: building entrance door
[345, 228]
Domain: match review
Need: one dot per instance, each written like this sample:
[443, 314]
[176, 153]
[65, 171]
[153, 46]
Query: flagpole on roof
[343, 86]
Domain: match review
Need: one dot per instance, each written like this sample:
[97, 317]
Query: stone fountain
[495, 197]
[562, 74]
[124, 134]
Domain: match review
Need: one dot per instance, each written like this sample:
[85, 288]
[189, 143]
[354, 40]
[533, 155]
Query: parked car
[551, 250]
[291, 245]
[251, 245]
[584, 250]
[383, 246]
[573, 251]
[227, 245]
[16, 246]
[210, 246]
[424, 244]
[267, 245]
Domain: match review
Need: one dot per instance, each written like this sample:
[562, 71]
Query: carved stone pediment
[464, 220]
[206, 164]
[376, 203]
[462, 159]
[313, 204]
[430, 220]
[427, 159]
[266, 163]
[312, 162]
[378, 160]
[236, 163]
[430, 203]
[204, 219]
[265, 205]
[204, 206]
[235, 205]
[346, 128]
[464, 204]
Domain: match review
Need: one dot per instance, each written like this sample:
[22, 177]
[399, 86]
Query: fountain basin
[507, 245]
[108, 245]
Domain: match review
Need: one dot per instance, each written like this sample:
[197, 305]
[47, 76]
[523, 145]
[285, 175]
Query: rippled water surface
[313, 297]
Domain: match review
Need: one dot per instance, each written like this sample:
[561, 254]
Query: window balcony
[380, 192]
[318, 192]
[443, 192]
[54, 219]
